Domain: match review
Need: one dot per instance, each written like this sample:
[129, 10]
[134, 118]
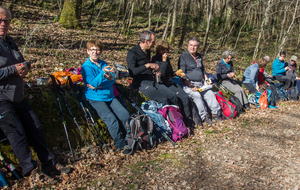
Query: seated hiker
[293, 71]
[250, 78]
[225, 73]
[279, 71]
[191, 63]
[98, 79]
[263, 83]
[18, 121]
[167, 74]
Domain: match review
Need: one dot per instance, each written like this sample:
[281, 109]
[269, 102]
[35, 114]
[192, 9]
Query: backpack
[292, 93]
[175, 119]
[252, 99]
[281, 91]
[263, 100]
[139, 132]
[228, 108]
[238, 106]
[270, 98]
[150, 108]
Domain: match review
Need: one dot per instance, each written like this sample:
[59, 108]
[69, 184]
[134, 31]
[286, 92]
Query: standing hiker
[19, 122]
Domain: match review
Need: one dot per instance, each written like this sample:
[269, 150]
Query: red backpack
[228, 108]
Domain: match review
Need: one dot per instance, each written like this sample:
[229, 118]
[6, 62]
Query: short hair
[5, 9]
[262, 62]
[146, 35]
[162, 44]
[282, 53]
[194, 39]
[96, 43]
[227, 53]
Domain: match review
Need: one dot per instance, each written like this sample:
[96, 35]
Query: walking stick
[74, 118]
[62, 114]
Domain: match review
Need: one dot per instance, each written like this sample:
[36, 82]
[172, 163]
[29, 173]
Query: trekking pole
[11, 167]
[90, 116]
[142, 112]
[62, 114]
[80, 100]
[74, 119]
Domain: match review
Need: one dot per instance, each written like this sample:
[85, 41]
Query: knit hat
[267, 58]
[294, 58]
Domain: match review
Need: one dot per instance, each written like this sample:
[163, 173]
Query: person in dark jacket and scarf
[18, 121]
[167, 74]
[293, 71]
[225, 74]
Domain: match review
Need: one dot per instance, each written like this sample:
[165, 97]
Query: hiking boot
[208, 121]
[247, 106]
[56, 169]
[217, 118]
[127, 150]
[34, 171]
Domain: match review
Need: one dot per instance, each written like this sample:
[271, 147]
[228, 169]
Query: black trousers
[20, 124]
[250, 87]
[288, 80]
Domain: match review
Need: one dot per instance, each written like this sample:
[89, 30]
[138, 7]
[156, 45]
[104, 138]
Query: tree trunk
[131, 14]
[168, 21]
[289, 29]
[150, 12]
[157, 22]
[208, 24]
[262, 29]
[283, 22]
[184, 24]
[70, 15]
[173, 22]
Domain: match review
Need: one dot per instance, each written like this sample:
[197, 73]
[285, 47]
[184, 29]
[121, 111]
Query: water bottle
[2, 180]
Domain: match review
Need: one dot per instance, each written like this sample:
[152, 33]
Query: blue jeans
[110, 112]
[21, 124]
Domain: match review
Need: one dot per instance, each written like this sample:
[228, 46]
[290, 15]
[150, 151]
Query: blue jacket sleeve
[96, 80]
[278, 68]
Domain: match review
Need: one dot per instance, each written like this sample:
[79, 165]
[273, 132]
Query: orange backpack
[263, 100]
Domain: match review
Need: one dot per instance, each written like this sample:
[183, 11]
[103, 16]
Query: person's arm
[253, 76]
[220, 74]
[137, 70]
[182, 65]
[163, 64]
[96, 81]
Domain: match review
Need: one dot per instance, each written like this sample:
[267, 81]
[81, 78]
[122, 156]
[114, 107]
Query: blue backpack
[281, 91]
[271, 103]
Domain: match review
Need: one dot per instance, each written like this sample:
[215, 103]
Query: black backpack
[239, 107]
[139, 133]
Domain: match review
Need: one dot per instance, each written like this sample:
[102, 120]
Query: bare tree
[173, 22]
[185, 22]
[70, 15]
[208, 24]
[150, 12]
[168, 21]
[266, 16]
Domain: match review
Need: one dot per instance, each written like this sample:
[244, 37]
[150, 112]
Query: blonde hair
[96, 43]
[161, 44]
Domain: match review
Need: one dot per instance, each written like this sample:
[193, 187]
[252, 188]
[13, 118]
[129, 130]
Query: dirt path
[259, 150]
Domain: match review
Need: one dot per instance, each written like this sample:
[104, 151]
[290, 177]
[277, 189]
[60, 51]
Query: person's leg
[250, 87]
[35, 134]
[121, 112]
[108, 117]
[284, 80]
[298, 85]
[186, 108]
[237, 90]
[197, 98]
[211, 101]
[13, 129]
[153, 93]
[167, 92]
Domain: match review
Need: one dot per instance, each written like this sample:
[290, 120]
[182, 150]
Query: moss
[70, 15]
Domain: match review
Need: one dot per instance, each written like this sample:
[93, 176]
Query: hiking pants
[250, 87]
[237, 90]
[19, 124]
[199, 97]
[159, 92]
[110, 112]
[288, 80]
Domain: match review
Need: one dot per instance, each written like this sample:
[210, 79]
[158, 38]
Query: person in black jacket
[167, 74]
[18, 121]
[225, 74]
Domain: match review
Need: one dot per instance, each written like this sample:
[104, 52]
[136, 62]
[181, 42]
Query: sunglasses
[6, 21]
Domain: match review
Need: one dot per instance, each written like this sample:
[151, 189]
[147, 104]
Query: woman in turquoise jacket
[98, 79]
[279, 71]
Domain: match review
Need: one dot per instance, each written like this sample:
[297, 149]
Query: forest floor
[258, 150]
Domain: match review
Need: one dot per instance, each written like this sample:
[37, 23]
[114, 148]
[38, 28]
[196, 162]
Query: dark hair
[194, 39]
[162, 44]
[96, 43]
[146, 35]
[282, 53]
